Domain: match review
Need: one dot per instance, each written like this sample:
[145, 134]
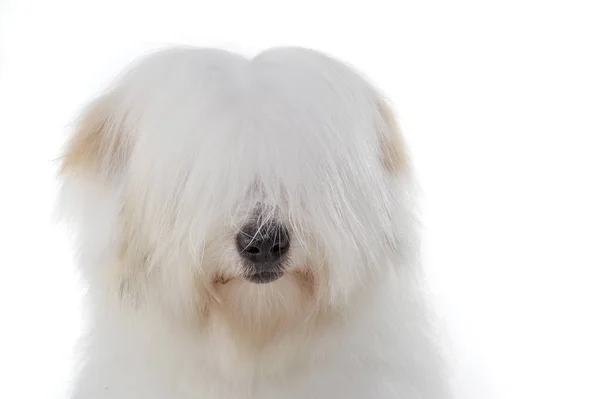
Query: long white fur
[209, 135]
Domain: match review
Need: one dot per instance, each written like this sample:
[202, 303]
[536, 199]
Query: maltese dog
[246, 230]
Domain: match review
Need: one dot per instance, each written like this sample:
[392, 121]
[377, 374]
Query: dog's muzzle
[263, 247]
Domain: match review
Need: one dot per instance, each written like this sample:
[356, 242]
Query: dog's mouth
[264, 277]
[256, 278]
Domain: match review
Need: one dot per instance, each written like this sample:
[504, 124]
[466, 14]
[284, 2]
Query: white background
[499, 101]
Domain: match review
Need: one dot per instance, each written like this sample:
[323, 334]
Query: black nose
[264, 247]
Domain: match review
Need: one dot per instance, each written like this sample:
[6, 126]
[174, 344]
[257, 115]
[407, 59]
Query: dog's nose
[263, 245]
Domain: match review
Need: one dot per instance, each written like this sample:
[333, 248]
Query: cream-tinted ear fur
[100, 146]
[91, 201]
[393, 153]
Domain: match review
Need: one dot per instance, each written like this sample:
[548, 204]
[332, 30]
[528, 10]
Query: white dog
[246, 230]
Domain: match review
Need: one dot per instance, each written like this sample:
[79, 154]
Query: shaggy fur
[163, 170]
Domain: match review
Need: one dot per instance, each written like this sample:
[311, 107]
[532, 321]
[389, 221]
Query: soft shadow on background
[499, 102]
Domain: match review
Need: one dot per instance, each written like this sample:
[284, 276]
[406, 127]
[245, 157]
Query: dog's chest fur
[365, 354]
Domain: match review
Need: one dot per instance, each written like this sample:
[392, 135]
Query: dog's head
[211, 185]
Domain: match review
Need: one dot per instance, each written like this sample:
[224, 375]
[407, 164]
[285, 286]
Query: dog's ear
[393, 153]
[100, 145]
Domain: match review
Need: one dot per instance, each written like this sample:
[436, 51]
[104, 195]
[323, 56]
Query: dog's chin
[260, 308]
[264, 277]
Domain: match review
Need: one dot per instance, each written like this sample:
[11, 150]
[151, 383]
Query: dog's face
[218, 186]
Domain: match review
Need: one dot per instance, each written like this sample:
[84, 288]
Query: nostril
[252, 250]
[281, 247]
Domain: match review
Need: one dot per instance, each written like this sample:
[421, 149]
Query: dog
[246, 228]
